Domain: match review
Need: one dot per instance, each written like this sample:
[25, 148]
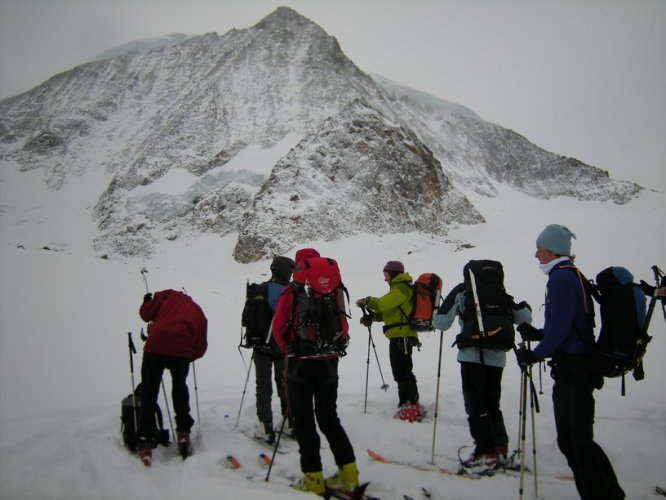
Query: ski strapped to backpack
[129, 416]
[320, 312]
[488, 316]
[426, 294]
[256, 317]
[623, 338]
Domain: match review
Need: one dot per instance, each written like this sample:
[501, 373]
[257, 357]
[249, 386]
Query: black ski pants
[152, 368]
[482, 390]
[264, 363]
[312, 388]
[573, 405]
[400, 355]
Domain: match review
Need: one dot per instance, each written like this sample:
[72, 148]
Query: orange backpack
[426, 295]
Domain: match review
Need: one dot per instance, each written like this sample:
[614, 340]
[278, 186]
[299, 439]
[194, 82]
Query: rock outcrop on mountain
[357, 174]
[398, 159]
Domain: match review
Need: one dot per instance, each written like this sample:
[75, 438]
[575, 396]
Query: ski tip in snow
[232, 462]
[264, 460]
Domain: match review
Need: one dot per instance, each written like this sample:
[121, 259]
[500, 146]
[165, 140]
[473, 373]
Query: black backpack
[484, 288]
[257, 316]
[623, 339]
[129, 415]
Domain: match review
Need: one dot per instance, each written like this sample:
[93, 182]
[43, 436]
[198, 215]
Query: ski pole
[247, 378]
[653, 300]
[166, 403]
[523, 418]
[384, 386]
[367, 373]
[277, 445]
[287, 411]
[196, 390]
[520, 416]
[534, 452]
[439, 372]
[144, 271]
[132, 350]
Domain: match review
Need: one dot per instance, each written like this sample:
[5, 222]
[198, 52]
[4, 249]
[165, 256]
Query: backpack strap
[588, 288]
[386, 328]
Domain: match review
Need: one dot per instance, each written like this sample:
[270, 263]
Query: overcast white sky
[580, 78]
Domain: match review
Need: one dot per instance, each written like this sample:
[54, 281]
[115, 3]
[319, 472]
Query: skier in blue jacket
[481, 376]
[565, 338]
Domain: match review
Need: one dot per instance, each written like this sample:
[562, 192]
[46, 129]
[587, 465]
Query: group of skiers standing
[305, 365]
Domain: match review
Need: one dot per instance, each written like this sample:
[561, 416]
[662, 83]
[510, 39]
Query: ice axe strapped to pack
[488, 312]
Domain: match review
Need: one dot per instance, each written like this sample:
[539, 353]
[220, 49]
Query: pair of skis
[461, 472]
[231, 462]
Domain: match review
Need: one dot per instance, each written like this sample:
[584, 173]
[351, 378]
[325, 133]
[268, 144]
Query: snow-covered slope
[64, 363]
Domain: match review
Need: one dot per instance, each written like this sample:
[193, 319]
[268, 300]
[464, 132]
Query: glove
[647, 289]
[148, 297]
[362, 302]
[525, 357]
[292, 349]
[523, 305]
[366, 320]
[528, 332]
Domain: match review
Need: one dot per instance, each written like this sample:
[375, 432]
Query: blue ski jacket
[567, 326]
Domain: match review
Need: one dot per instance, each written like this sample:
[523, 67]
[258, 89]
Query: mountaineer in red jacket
[177, 335]
[311, 364]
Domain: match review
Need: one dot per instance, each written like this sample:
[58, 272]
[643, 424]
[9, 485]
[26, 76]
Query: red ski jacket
[179, 326]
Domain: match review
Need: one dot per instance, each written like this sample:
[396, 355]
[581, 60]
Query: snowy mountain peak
[286, 19]
[197, 105]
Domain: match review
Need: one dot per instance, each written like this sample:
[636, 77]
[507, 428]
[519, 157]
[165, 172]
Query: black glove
[292, 349]
[523, 305]
[366, 320]
[147, 297]
[528, 332]
[647, 289]
[525, 357]
[362, 302]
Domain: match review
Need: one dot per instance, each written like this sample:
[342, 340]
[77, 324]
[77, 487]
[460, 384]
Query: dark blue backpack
[623, 339]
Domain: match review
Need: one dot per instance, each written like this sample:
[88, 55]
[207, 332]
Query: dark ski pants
[152, 368]
[573, 405]
[400, 355]
[312, 388]
[264, 363]
[482, 390]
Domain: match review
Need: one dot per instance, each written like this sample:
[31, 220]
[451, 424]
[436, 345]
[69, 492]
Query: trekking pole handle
[144, 271]
[365, 312]
[130, 343]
